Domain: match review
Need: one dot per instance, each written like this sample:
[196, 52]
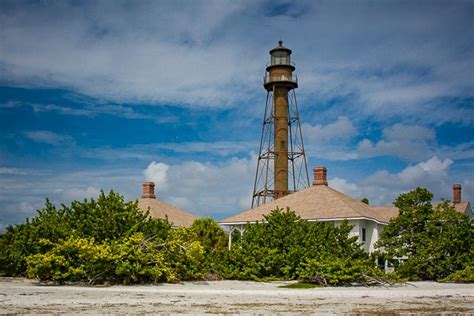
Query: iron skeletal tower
[281, 166]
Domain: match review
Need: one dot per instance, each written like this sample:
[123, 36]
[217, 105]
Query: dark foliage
[434, 241]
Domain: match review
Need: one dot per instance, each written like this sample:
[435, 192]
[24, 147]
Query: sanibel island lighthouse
[281, 166]
[282, 181]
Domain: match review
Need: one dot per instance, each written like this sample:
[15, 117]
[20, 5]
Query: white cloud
[145, 52]
[405, 142]
[330, 141]
[382, 187]
[457, 152]
[408, 62]
[156, 172]
[209, 53]
[341, 130]
[48, 137]
[21, 195]
[14, 212]
[79, 193]
[400, 132]
[205, 188]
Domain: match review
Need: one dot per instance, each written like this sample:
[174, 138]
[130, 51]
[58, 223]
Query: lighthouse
[281, 166]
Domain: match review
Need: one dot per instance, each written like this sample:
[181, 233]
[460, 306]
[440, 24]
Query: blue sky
[106, 94]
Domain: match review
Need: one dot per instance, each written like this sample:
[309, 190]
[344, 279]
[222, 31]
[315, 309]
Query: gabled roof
[159, 209]
[463, 207]
[318, 202]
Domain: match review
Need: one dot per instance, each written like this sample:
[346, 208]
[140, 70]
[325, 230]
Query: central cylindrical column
[280, 114]
[279, 80]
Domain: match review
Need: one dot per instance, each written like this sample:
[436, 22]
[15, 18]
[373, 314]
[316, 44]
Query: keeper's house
[160, 209]
[324, 204]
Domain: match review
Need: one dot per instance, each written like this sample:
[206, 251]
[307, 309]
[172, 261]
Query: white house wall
[372, 232]
[355, 226]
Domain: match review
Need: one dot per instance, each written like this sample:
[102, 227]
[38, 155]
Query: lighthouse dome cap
[280, 47]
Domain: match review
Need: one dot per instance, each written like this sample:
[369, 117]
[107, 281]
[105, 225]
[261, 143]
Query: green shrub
[287, 247]
[108, 218]
[338, 271]
[127, 260]
[436, 241]
[214, 241]
[461, 276]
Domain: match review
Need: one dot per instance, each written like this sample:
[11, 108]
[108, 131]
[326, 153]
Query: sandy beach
[21, 296]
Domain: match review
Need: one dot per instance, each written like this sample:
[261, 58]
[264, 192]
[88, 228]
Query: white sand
[220, 297]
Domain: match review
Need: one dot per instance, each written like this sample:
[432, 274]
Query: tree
[19, 241]
[285, 246]
[210, 234]
[365, 200]
[214, 241]
[435, 241]
[108, 218]
[269, 249]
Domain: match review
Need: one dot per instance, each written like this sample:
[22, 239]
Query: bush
[436, 241]
[214, 242]
[285, 246]
[338, 271]
[127, 260]
[108, 218]
[461, 276]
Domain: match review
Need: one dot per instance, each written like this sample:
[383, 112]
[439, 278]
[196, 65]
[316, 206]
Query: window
[280, 58]
[363, 234]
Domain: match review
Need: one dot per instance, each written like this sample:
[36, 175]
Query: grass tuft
[300, 285]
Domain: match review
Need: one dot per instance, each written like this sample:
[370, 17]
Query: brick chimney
[148, 190]
[320, 176]
[456, 193]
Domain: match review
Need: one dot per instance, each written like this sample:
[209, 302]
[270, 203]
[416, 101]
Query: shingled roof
[322, 203]
[318, 202]
[160, 209]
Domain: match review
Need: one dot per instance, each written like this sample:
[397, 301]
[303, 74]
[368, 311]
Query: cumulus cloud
[382, 187]
[156, 172]
[21, 196]
[341, 129]
[330, 141]
[205, 188]
[405, 142]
